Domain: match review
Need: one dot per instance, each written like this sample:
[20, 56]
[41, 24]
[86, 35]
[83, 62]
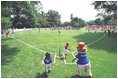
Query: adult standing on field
[65, 52]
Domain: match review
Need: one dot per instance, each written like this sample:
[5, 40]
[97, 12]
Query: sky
[79, 8]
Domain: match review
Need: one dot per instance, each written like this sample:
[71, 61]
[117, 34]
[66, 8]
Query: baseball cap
[67, 43]
[81, 45]
[47, 54]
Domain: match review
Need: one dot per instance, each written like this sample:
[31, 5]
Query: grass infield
[22, 56]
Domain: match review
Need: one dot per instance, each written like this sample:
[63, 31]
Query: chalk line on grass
[73, 57]
[65, 61]
[55, 53]
[87, 45]
[43, 60]
[95, 41]
[30, 45]
[37, 49]
[55, 58]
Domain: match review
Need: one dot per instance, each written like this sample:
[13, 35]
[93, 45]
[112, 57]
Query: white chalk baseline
[87, 45]
[55, 53]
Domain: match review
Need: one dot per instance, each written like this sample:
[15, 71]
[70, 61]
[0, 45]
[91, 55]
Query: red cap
[81, 44]
[67, 44]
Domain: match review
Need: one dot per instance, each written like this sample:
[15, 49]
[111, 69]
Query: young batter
[65, 52]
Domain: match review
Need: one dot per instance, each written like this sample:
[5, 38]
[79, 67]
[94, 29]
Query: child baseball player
[13, 33]
[65, 52]
[82, 61]
[48, 61]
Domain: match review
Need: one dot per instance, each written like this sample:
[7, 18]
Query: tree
[91, 22]
[107, 9]
[77, 22]
[66, 24]
[24, 13]
[99, 21]
[6, 22]
[53, 17]
[5, 15]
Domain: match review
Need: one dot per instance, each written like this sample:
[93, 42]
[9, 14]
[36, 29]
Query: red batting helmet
[81, 45]
[67, 44]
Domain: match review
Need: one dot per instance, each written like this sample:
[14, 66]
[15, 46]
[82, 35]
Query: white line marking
[50, 43]
[73, 57]
[55, 58]
[30, 45]
[92, 42]
[95, 41]
[87, 45]
[64, 59]
[43, 60]
[55, 53]
[70, 63]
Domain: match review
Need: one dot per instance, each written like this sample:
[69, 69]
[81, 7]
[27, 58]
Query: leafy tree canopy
[107, 9]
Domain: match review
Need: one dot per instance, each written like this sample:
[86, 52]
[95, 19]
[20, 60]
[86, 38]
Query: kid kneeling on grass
[82, 60]
[48, 61]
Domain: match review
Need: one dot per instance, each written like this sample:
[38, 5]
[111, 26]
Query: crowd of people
[112, 28]
[5, 33]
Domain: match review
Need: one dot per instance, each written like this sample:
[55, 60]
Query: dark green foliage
[66, 23]
[6, 22]
[53, 17]
[107, 9]
[77, 22]
[5, 15]
[22, 13]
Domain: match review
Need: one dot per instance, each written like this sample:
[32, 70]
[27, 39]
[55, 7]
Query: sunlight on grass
[24, 60]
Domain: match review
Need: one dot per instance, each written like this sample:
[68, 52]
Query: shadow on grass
[7, 54]
[41, 75]
[108, 44]
[9, 38]
[75, 76]
[5, 39]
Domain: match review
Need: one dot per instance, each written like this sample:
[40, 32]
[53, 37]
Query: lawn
[22, 56]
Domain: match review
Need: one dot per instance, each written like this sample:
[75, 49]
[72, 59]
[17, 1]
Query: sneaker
[46, 75]
[89, 76]
[79, 75]
[49, 71]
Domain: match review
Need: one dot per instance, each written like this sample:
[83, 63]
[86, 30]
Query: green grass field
[22, 57]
